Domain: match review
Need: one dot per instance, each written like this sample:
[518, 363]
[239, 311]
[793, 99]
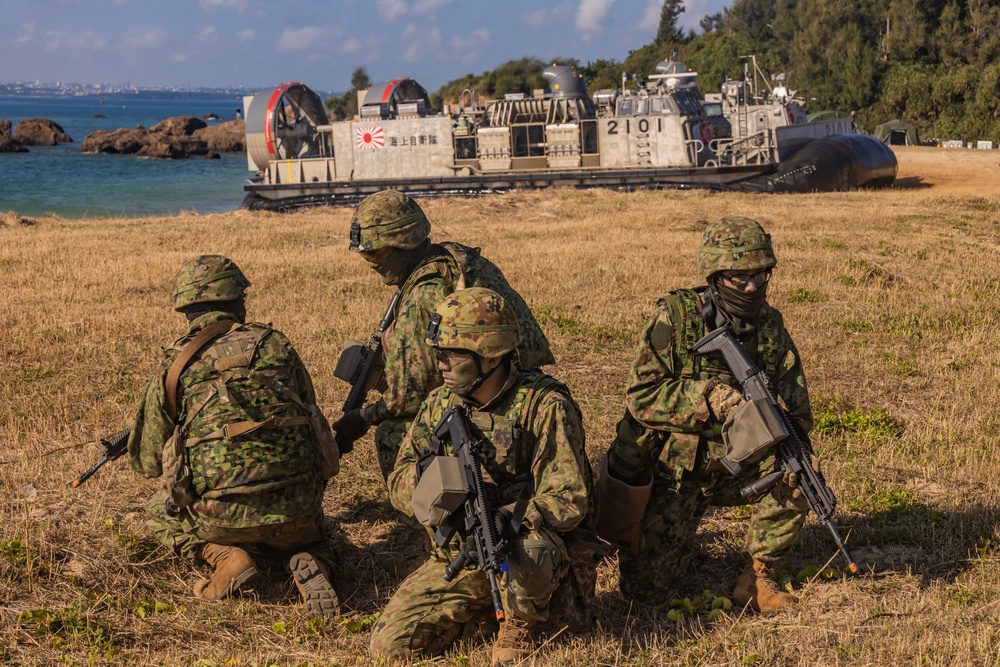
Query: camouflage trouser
[388, 436]
[185, 534]
[671, 522]
[427, 614]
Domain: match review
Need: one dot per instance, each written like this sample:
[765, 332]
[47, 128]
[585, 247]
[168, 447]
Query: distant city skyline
[253, 43]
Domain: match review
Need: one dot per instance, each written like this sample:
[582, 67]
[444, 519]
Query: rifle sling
[191, 348]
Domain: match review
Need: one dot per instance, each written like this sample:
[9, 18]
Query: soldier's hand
[504, 517]
[788, 494]
[722, 399]
[349, 428]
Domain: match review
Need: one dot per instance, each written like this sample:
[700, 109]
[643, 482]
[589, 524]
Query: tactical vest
[473, 270]
[243, 429]
[508, 464]
[680, 449]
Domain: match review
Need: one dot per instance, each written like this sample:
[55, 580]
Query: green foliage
[804, 295]
[69, 624]
[871, 425]
[346, 105]
[14, 552]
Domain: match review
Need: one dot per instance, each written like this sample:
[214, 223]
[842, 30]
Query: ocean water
[63, 181]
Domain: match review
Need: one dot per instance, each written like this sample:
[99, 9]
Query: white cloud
[430, 43]
[350, 47]
[390, 10]
[208, 34]
[88, 40]
[544, 19]
[179, 57]
[144, 39]
[300, 39]
[429, 6]
[651, 17]
[212, 5]
[120, 3]
[410, 30]
[247, 34]
[476, 40]
[590, 15]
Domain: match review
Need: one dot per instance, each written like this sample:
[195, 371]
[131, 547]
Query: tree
[667, 32]
[359, 79]
[710, 22]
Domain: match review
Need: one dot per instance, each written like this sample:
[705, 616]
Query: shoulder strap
[191, 348]
[463, 257]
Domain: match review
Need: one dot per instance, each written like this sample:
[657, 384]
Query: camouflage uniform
[261, 486]
[534, 435]
[389, 219]
[668, 429]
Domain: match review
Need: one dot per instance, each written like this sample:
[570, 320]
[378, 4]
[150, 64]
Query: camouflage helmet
[208, 279]
[734, 243]
[388, 219]
[477, 320]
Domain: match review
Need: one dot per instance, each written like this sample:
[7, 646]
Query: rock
[227, 137]
[210, 116]
[212, 155]
[98, 115]
[185, 125]
[170, 139]
[40, 132]
[9, 144]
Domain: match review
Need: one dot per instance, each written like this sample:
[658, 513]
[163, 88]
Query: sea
[63, 181]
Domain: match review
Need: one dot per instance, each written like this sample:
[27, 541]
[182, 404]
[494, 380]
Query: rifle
[794, 450]
[483, 545]
[114, 448]
[357, 361]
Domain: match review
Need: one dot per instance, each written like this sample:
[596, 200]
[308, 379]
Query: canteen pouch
[442, 489]
[620, 508]
[176, 471]
[750, 431]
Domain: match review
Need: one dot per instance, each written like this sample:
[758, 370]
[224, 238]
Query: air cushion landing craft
[658, 136]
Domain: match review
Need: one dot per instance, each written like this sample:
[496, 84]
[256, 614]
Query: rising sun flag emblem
[370, 137]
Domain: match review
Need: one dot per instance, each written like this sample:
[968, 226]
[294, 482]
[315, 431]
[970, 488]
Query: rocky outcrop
[228, 137]
[173, 139]
[8, 144]
[15, 219]
[40, 132]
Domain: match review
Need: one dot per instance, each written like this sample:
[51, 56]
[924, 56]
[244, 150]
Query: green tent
[897, 133]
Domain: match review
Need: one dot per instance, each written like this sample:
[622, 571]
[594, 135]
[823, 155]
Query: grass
[890, 296]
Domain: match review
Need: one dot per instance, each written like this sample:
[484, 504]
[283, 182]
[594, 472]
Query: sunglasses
[376, 256]
[742, 280]
[450, 358]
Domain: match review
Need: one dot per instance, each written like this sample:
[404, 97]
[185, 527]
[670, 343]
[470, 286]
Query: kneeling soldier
[670, 444]
[535, 469]
[230, 422]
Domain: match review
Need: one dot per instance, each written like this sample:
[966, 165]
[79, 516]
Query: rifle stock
[482, 545]
[794, 452]
[114, 448]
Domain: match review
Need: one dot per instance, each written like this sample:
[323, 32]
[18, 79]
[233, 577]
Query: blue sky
[260, 43]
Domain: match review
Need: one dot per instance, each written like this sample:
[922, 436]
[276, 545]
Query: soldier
[391, 233]
[535, 467]
[230, 422]
[669, 442]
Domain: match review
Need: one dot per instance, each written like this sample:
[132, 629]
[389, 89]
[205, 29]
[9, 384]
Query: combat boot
[312, 578]
[233, 568]
[515, 641]
[756, 588]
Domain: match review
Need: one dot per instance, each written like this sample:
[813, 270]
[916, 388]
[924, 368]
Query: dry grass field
[892, 296]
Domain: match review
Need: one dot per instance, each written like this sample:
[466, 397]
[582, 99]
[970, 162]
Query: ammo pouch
[619, 509]
[352, 360]
[442, 488]
[750, 431]
[176, 473]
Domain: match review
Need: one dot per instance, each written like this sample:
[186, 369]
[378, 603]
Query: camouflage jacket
[410, 368]
[667, 381]
[534, 432]
[262, 477]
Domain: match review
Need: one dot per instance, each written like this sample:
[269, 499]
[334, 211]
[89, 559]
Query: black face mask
[742, 309]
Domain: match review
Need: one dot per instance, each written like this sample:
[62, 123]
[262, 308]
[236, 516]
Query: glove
[787, 492]
[349, 428]
[722, 399]
[503, 518]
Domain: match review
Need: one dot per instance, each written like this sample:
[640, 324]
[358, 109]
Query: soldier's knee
[537, 563]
